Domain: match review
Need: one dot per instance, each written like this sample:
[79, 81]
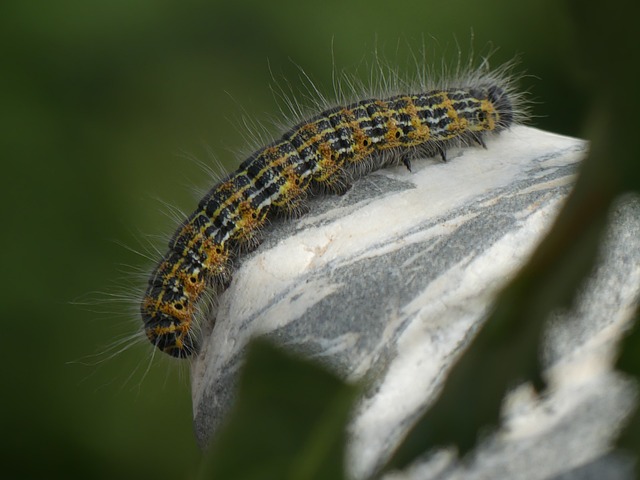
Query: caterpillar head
[167, 308]
[168, 328]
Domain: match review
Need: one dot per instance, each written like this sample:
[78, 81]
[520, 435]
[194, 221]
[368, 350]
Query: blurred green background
[102, 103]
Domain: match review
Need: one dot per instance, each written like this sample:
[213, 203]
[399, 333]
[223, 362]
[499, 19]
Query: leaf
[505, 350]
[629, 363]
[288, 422]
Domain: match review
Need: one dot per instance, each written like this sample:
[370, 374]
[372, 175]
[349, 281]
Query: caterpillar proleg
[324, 153]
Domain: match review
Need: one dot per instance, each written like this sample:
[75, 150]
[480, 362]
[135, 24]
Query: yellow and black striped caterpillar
[323, 153]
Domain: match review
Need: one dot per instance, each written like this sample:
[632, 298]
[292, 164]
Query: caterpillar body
[323, 153]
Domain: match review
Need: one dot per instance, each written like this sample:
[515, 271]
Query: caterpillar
[322, 154]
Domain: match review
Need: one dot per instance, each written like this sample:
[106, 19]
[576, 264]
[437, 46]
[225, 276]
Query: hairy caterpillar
[324, 153]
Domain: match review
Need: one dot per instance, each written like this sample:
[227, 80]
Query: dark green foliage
[629, 362]
[288, 423]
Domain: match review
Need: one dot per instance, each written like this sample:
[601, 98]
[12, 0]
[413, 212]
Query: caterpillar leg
[406, 161]
[338, 184]
[339, 187]
[480, 141]
[292, 210]
[297, 210]
[442, 152]
[252, 242]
